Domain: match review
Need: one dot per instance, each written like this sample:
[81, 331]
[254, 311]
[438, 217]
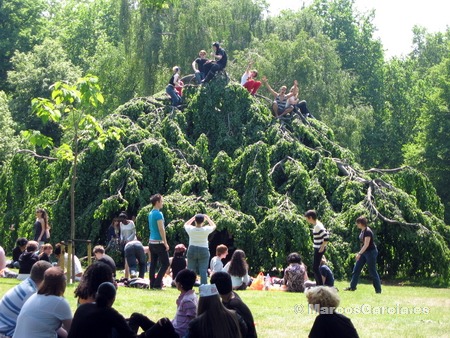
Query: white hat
[207, 290]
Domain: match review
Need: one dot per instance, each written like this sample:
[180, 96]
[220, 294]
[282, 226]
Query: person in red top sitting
[248, 80]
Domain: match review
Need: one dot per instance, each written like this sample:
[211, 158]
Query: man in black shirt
[232, 301]
[99, 253]
[219, 64]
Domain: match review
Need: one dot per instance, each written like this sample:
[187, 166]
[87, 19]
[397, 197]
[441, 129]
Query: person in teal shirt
[159, 249]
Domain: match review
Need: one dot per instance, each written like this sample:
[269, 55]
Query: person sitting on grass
[76, 264]
[324, 300]
[295, 274]
[232, 301]
[213, 319]
[99, 319]
[327, 274]
[14, 299]
[27, 259]
[216, 264]
[178, 262]
[237, 267]
[95, 274]
[47, 250]
[101, 256]
[186, 311]
[46, 313]
[21, 245]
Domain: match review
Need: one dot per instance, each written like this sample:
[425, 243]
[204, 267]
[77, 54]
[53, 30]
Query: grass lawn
[400, 311]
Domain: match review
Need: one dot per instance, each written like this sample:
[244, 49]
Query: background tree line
[389, 113]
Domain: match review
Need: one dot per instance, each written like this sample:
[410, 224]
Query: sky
[394, 19]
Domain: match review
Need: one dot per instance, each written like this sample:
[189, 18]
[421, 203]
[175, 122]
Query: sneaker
[349, 289]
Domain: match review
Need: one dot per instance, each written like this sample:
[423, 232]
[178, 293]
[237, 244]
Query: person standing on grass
[198, 250]
[320, 238]
[159, 249]
[367, 254]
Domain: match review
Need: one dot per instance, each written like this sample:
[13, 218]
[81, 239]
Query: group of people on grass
[204, 70]
[36, 307]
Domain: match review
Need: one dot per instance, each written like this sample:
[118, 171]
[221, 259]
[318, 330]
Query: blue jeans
[199, 76]
[158, 252]
[369, 257]
[174, 97]
[135, 255]
[198, 260]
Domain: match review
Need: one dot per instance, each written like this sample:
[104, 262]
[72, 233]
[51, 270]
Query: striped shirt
[11, 304]
[320, 235]
[186, 311]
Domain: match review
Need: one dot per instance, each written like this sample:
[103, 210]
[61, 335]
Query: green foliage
[8, 141]
[34, 72]
[22, 25]
[256, 188]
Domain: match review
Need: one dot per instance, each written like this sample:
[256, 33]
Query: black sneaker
[349, 289]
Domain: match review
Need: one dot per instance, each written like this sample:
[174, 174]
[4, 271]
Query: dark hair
[215, 320]
[216, 44]
[312, 214]
[199, 218]
[238, 265]
[21, 241]
[361, 220]
[180, 250]
[155, 198]
[37, 271]
[31, 246]
[222, 281]
[57, 251]
[44, 216]
[96, 274]
[186, 278]
[123, 215]
[54, 283]
[105, 295]
[294, 257]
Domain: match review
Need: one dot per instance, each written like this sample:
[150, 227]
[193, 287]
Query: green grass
[282, 314]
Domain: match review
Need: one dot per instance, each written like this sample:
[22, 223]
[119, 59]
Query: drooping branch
[280, 163]
[31, 152]
[375, 186]
[373, 209]
[389, 171]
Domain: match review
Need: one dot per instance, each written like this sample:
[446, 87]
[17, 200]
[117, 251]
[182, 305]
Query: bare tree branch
[31, 152]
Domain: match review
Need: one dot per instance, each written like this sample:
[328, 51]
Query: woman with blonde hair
[46, 313]
[325, 300]
[237, 267]
[213, 320]
[173, 83]
[41, 227]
